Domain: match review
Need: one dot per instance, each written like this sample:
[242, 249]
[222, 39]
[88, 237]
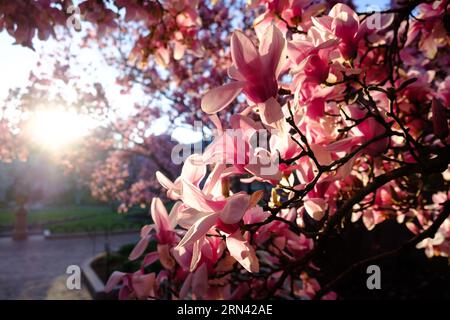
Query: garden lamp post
[20, 223]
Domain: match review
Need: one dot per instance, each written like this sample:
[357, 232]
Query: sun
[55, 129]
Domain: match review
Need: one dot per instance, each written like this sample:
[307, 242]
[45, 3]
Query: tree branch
[428, 233]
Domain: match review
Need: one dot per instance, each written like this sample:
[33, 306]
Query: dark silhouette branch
[428, 233]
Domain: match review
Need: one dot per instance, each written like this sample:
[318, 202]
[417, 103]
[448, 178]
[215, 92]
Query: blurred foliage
[68, 219]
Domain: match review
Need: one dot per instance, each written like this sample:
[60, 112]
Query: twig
[428, 233]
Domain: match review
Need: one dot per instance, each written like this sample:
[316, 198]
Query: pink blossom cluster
[25, 19]
[350, 119]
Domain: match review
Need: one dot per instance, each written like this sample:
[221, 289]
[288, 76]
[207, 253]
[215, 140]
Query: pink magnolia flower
[136, 285]
[204, 208]
[310, 62]
[308, 74]
[234, 148]
[164, 225]
[439, 244]
[282, 143]
[315, 207]
[98, 13]
[343, 23]
[419, 91]
[294, 13]
[314, 98]
[300, 47]
[227, 220]
[431, 28]
[365, 131]
[370, 217]
[255, 70]
[193, 172]
[206, 250]
[309, 288]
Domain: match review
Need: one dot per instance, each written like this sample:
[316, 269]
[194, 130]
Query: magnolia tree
[341, 116]
[345, 117]
[168, 53]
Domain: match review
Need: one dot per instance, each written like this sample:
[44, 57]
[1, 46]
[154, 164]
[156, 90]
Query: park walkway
[35, 268]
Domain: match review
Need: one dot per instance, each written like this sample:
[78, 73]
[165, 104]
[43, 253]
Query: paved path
[34, 268]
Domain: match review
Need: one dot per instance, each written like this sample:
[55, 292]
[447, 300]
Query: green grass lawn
[79, 219]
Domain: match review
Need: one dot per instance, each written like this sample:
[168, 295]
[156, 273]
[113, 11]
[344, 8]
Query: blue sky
[362, 4]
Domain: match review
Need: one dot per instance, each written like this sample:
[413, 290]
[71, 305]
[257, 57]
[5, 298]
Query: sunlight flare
[57, 128]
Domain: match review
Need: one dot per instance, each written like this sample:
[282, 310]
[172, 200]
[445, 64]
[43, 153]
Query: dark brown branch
[437, 164]
[428, 233]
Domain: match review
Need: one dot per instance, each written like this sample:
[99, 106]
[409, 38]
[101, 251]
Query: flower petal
[163, 180]
[346, 22]
[235, 208]
[143, 285]
[115, 278]
[196, 254]
[234, 73]
[271, 48]
[150, 259]
[160, 216]
[242, 251]
[173, 215]
[315, 207]
[270, 111]
[186, 286]
[243, 53]
[193, 197]
[139, 249]
[199, 229]
[194, 169]
[164, 256]
[219, 98]
[200, 281]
